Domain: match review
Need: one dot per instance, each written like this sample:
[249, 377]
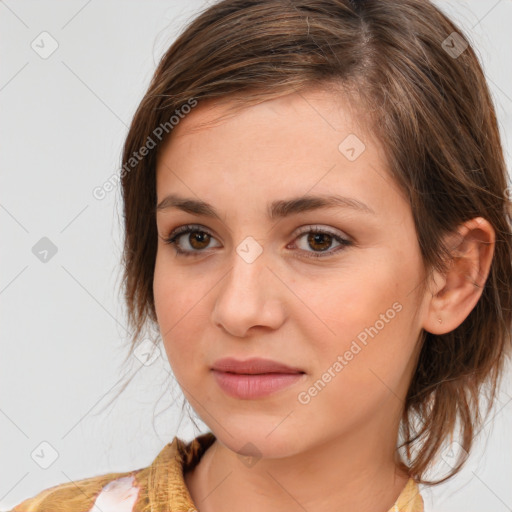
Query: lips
[253, 366]
[254, 378]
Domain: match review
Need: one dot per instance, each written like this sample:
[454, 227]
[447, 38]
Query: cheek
[365, 319]
[180, 310]
[364, 367]
[172, 302]
[174, 292]
[346, 305]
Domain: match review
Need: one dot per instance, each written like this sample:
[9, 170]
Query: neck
[341, 474]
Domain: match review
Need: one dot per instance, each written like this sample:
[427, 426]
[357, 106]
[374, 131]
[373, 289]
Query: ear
[455, 293]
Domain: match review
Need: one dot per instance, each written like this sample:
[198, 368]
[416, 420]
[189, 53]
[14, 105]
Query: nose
[249, 297]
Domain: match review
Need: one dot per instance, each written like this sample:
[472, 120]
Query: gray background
[62, 124]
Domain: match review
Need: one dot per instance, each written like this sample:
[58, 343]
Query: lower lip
[254, 386]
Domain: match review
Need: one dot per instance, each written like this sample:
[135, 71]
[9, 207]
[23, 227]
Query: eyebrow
[277, 209]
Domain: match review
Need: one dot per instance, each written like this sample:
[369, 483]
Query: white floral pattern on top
[117, 496]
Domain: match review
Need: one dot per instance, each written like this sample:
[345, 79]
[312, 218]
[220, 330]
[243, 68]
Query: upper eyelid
[344, 242]
[183, 229]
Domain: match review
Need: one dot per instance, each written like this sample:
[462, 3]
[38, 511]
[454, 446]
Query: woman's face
[251, 286]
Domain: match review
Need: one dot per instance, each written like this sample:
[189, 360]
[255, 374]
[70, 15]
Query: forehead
[313, 104]
[309, 141]
[313, 122]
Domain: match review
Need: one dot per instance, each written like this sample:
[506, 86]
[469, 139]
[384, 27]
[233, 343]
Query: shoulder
[410, 499]
[112, 492]
[149, 488]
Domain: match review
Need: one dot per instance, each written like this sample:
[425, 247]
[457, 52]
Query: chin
[261, 439]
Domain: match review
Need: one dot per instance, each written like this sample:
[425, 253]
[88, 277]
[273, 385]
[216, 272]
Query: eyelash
[190, 228]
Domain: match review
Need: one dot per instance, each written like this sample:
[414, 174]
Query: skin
[338, 449]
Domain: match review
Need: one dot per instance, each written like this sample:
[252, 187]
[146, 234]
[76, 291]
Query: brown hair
[429, 104]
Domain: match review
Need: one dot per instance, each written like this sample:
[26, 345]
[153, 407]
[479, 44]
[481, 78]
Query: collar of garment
[180, 456]
[159, 487]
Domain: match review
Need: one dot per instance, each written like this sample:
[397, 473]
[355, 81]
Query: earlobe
[433, 318]
[455, 294]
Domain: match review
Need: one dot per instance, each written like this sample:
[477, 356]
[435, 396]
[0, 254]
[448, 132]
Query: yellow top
[159, 487]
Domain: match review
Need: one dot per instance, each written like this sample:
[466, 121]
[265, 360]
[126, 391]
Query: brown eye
[319, 241]
[192, 245]
[199, 239]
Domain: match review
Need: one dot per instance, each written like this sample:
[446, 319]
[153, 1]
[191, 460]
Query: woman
[317, 221]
